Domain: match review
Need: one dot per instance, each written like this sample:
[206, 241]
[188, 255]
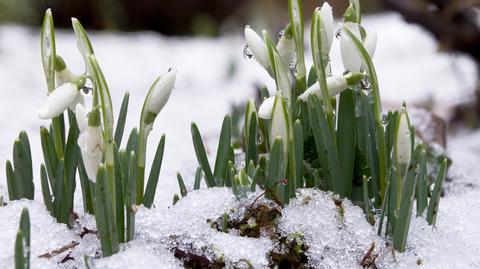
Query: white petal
[257, 47]
[58, 100]
[279, 126]
[403, 140]
[79, 100]
[370, 45]
[352, 61]
[265, 109]
[81, 116]
[326, 16]
[91, 146]
[286, 50]
[159, 97]
[335, 84]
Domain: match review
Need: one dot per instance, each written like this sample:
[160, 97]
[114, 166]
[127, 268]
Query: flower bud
[351, 57]
[266, 108]
[403, 144]
[326, 18]
[159, 95]
[257, 47]
[279, 123]
[335, 84]
[286, 46]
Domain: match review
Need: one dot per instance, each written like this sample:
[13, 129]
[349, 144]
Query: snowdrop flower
[63, 97]
[266, 108]
[158, 97]
[403, 144]
[352, 60]
[90, 142]
[326, 17]
[286, 46]
[335, 84]
[257, 47]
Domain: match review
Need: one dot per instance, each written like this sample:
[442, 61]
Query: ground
[213, 75]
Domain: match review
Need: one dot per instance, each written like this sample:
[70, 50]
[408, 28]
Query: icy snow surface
[408, 67]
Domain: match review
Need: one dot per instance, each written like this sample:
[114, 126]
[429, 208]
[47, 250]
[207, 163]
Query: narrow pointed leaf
[202, 156]
[154, 174]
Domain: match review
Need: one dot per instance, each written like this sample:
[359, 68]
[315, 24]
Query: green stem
[141, 158]
[57, 135]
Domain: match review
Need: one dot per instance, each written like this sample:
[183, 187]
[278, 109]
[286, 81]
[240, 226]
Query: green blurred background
[169, 17]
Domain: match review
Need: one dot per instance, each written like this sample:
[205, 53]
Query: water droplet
[247, 53]
[169, 69]
[338, 33]
[280, 34]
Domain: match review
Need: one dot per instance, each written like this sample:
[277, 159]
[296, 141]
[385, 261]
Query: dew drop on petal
[247, 53]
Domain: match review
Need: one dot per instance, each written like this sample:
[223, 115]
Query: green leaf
[202, 156]
[402, 223]
[437, 189]
[47, 196]
[122, 117]
[346, 138]
[230, 174]
[49, 154]
[326, 147]
[175, 199]
[104, 215]
[132, 141]
[22, 171]
[298, 145]
[154, 174]
[296, 20]
[131, 193]
[198, 177]
[59, 191]
[223, 149]
[120, 195]
[83, 42]
[251, 152]
[181, 185]
[275, 170]
[25, 230]
[12, 190]
[422, 184]
[47, 47]
[86, 186]
[20, 261]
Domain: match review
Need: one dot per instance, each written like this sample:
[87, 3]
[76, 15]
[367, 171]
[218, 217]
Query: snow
[408, 65]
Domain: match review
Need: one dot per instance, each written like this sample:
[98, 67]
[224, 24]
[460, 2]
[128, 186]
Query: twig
[60, 250]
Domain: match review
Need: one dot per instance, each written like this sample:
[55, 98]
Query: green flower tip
[59, 64]
[79, 82]
[354, 78]
[94, 117]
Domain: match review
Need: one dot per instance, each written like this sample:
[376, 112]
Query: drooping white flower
[403, 144]
[326, 17]
[59, 100]
[257, 47]
[352, 60]
[286, 46]
[90, 142]
[158, 98]
[266, 108]
[335, 85]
